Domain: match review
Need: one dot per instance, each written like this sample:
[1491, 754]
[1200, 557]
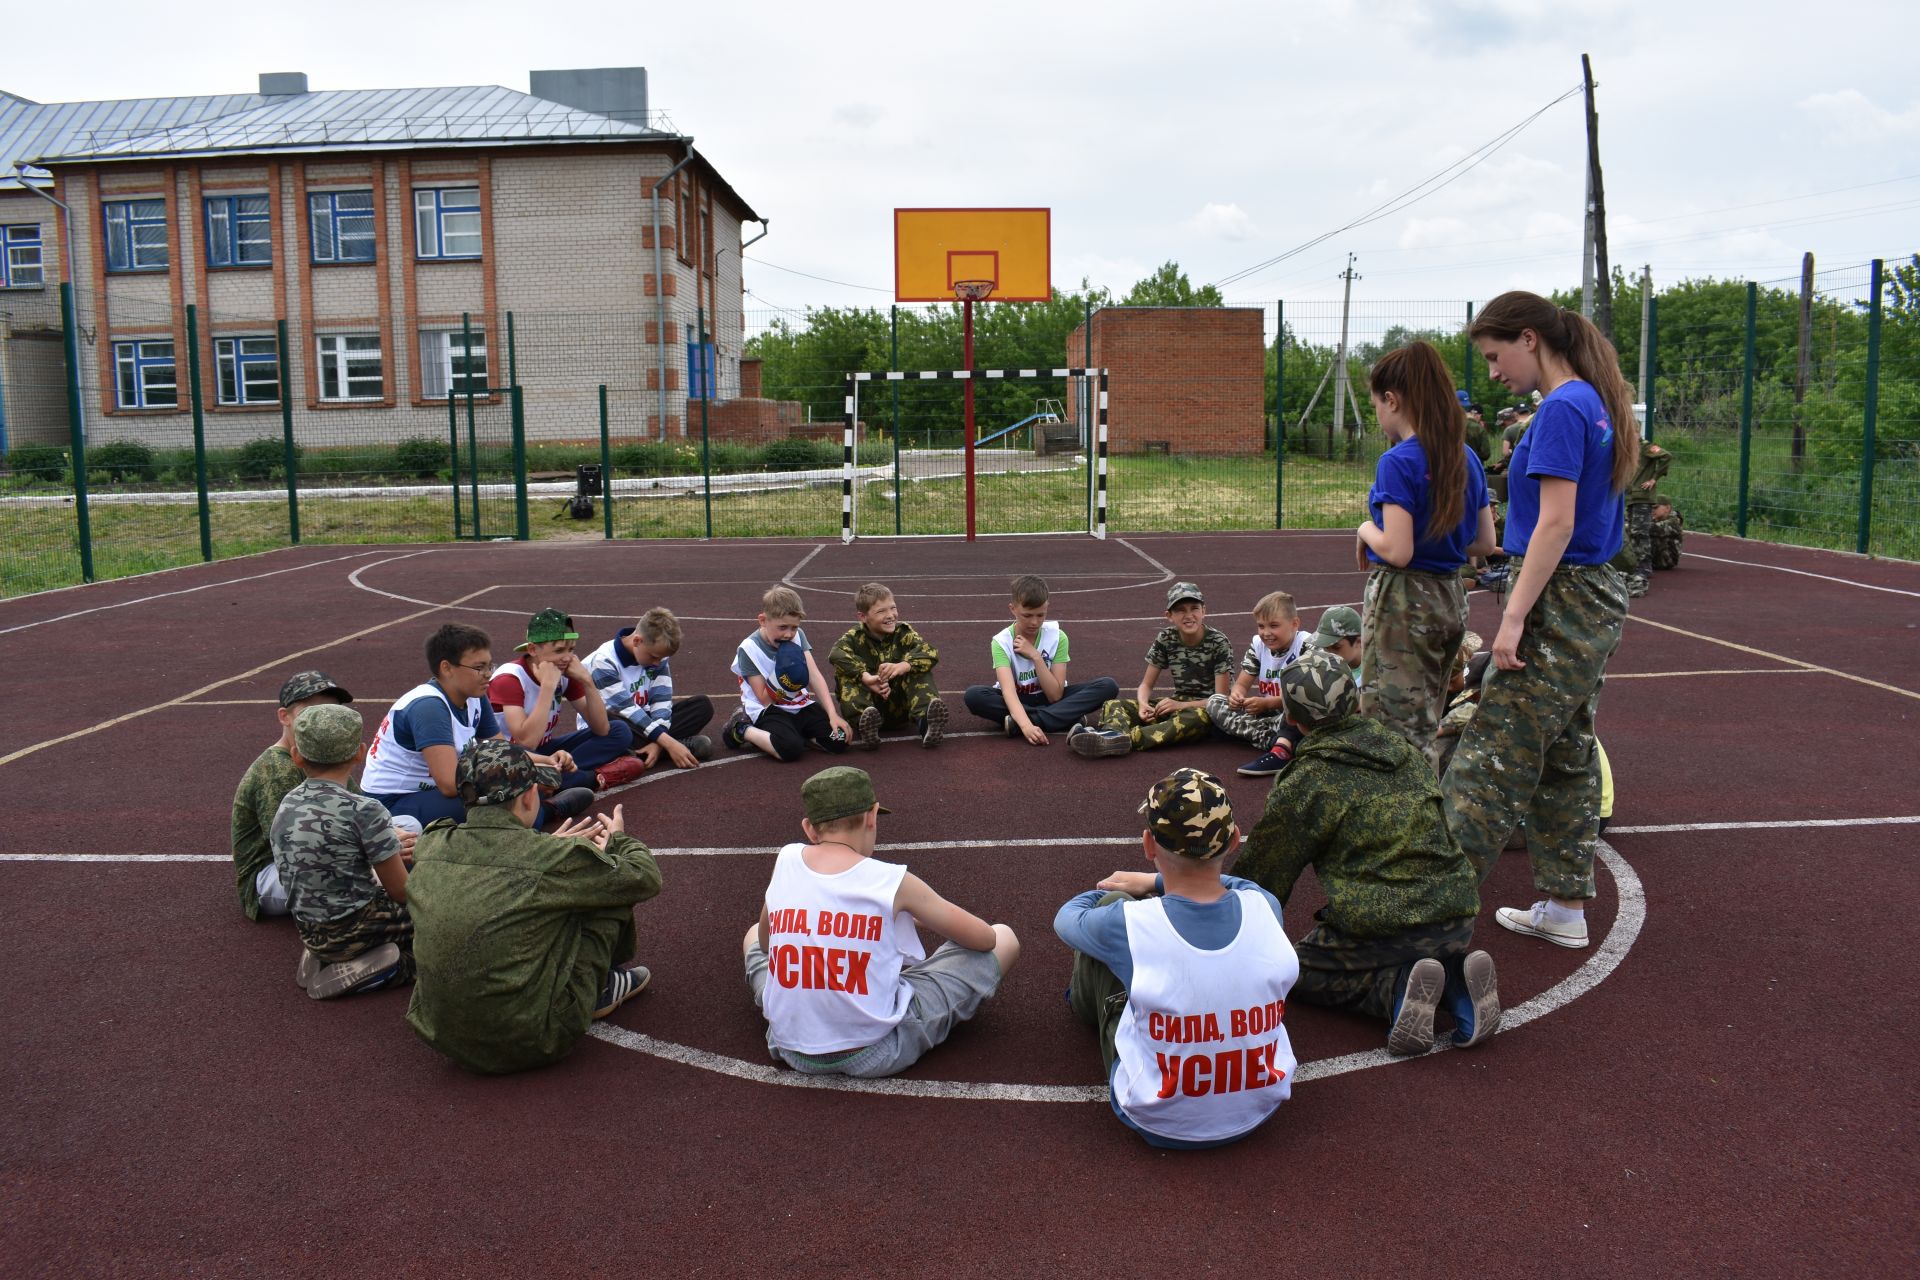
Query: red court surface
[1723, 1083]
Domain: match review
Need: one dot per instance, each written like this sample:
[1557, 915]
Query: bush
[38, 462]
[263, 459]
[657, 458]
[123, 460]
[420, 457]
[794, 454]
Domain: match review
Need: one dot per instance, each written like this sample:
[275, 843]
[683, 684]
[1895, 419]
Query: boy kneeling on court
[834, 961]
[1185, 975]
[1362, 808]
[521, 938]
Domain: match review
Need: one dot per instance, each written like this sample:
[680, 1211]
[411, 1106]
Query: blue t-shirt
[428, 722]
[1402, 479]
[1570, 439]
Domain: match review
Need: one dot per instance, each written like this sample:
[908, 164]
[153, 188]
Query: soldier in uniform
[1641, 499]
[522, 938]
[1361, 807]
[340, 863]
[883, 672]
[1200, 660]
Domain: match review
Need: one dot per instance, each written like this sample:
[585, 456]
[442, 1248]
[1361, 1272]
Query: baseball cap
[327, 734]
[1339, 623]
[1180, 591]
[1189, 814]
[494, 771]
[839, 792]
[545, 626]
[1319, 689]
[1461, 396]
[302, 685]
[790, 667]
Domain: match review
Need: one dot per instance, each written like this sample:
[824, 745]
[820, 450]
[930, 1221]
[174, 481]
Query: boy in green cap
[546, 676]
[834, 961]
[521, 938]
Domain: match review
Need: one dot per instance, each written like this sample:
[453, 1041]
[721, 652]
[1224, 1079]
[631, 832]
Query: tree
[1169, 287]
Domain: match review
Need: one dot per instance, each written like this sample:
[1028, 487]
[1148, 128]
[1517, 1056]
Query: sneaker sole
[1484, 991]
[1247, 771]
[1412, 1031]
[1522, 922]
[936, 724]
[1095, 744]
[338, 979]
[308, 969]
[701, 746]
[867, 731]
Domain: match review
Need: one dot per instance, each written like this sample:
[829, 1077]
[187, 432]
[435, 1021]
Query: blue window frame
[239, 231]
[20, 266]
[699, 368]
[146, 378]
[342, 223]
[136, 235]
[446, 222]
[248, 370]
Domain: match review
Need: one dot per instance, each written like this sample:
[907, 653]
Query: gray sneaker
[1094, 743]
[933, 725]
[701, 746]
[1474, 1000]
[309, 969]
[1412, 1030]
[866, 730]
[571, 803]
[338, 979]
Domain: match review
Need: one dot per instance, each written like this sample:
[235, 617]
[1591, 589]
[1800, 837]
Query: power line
[845, 284]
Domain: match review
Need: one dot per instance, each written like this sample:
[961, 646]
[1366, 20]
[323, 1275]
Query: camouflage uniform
[326, 841]
[1664, 533]
[1193, 668]
[1528, 752]
[1654, 462]
[858, 652]
[1411, 638]
[266, 783]
[1361, 807]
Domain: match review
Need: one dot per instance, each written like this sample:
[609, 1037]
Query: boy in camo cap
[264, 785]
[1185, 976]
[1362, 808]
[1200, 660]
[339, 859]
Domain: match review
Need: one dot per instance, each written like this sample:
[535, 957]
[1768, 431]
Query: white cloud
[1851, 116]
[1223, 221]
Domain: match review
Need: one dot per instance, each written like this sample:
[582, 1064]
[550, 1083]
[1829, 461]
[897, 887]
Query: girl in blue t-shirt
[1529, 754]
[1429, 514]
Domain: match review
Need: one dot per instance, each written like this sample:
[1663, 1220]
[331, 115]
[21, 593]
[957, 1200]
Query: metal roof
[31, 130]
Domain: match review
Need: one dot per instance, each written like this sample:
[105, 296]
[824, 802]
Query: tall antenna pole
[1646, 305]
[1596, 306]
[1340, 360]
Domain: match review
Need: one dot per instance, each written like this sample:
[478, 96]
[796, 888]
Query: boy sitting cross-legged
[1251, 709]
[1200, 659]
[1185, 976]
[1030, 694]
[530, 692]
[784, 700]
[834, 961]
[885, 672]
[634, 674]
[264, 785]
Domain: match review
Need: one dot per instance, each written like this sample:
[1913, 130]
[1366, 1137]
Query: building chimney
[282, 84]
[617, 92]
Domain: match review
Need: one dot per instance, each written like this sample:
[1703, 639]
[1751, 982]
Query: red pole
[966, 311]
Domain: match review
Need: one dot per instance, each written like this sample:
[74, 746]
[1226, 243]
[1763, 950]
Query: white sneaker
[1533, 922]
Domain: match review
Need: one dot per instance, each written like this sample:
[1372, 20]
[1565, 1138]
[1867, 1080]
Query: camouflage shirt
[326, 840]
[1362, 808]
[1192, 667]
[262, 788]
[1654, 462]
[858, 652]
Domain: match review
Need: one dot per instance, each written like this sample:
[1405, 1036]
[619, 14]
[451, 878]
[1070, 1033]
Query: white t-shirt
[1268, 664]
[756, 657]
[393, 765]
[1051, 644]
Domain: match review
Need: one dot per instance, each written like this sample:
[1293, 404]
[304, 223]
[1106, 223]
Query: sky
[1735, 134]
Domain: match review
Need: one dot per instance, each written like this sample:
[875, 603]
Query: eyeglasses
[484, 668]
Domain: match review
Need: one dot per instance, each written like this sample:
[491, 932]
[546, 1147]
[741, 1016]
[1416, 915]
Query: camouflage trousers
[1529, 752]
[1640, 538]
[1410, 633]
[905, 705]
[1187, 725]
[1366, 975]
[381, 921]
[1097, 996]
[1261, 730]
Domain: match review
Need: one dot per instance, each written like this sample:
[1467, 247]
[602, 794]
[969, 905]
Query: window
[239, 231]
[248, 370]
[350, 367]
[20, 261]
[136, 235]
[686, 231]
[146, 378]
[446, 222]
[342, 224]
[446, 365]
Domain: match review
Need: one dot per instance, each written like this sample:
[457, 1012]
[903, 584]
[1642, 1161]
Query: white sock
[1563, 915]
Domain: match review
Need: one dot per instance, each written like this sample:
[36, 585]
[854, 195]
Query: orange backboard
[932, 248]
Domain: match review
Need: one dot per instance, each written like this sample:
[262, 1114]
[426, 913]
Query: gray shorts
[948, 987]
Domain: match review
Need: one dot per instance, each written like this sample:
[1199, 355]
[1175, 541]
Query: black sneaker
[735, 734]
[1267, 763]
[621, 986]
[866, 730]
[933, 725]
[570, 803]
[701, 746]
[1012, 730]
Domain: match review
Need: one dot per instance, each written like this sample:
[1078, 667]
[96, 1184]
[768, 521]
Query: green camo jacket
[1361, 807]
[859, 651]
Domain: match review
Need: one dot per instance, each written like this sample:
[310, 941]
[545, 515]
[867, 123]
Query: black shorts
[792, 730]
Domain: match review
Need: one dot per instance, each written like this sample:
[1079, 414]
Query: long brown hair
[1572, 337]
[1418, 375]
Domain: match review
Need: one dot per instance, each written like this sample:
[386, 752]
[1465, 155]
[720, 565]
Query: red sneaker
[616, 772]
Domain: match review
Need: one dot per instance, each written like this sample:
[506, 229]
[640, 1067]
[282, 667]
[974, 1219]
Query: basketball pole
[966, 328]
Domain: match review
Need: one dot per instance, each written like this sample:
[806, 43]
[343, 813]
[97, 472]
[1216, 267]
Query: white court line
[1166, 574]
[1780, 825]
[787, 577]
[1777, 657]
[1824, 577]
[184, 591]
[1725, 671]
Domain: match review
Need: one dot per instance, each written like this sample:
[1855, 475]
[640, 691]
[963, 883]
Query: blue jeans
[1079, 697]
[590, 751]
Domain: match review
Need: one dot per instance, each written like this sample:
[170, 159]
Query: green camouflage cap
[494, 771]
[1184, 591]
[1189, 814]
[547, 625]
[839, 792]
[1319, 689]
[1342, 622]
[302, 685]
[328, 734]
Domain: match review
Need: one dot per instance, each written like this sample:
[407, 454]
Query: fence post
[76, 432]
[1653, 362]
[1279, 412]
[521, 530]
[1466, 358]
[893, 365]
[199, 430]
[513, 368]
[473, 435]
[1086, 389]
[1746, 411]
[706, 394]
[1870, 414]
[606, 468]
[453, 455]
[286, 434]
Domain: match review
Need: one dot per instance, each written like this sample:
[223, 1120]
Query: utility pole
[1805, 364]
[1646, 319]
[1340, 359]
[1596, 305]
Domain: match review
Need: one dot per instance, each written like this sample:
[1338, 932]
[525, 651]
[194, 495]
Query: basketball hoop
[972, 290]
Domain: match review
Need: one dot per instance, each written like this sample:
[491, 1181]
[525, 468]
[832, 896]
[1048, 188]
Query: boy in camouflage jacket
[883, 673]
[1200, 659]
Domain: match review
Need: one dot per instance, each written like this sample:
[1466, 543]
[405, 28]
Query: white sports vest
[1047, 643]
[391, 768]
[1202, 1054]
[763, 665]
[530, 693]
[1271, 664]
[835, 946]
